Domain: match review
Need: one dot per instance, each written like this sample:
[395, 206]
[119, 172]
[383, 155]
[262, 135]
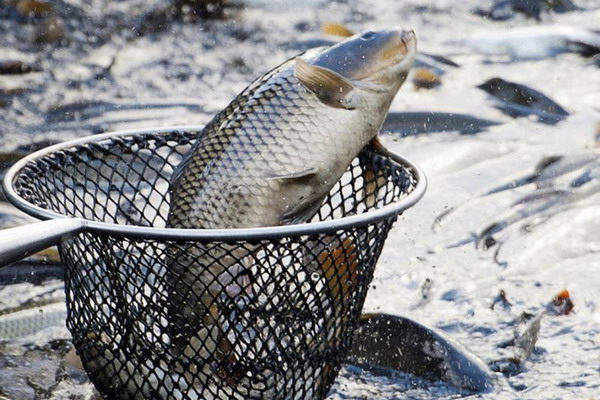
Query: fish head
[373, 58]
[364, 70]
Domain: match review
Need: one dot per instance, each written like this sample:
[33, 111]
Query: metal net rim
[273, 232]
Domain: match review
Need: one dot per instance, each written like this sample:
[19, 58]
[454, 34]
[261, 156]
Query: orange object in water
[339, 268]
[425, 79]
[334, 29]
[562, 302]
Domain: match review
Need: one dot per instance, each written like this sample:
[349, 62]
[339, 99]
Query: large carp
[270, 158]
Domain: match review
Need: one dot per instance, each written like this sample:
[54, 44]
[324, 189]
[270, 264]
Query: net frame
[278, 330]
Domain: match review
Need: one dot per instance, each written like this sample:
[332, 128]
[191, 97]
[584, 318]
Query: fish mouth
[392, 59]
[372, 57]
[401, 44]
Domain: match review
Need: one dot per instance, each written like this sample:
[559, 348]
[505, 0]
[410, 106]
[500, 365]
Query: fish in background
[426, 75]
[411, 123]
[517, 100]
[559, 182]
[270, 158]
[503, 10]
[534, 42]
[526, 331]
[549, 198]
[388, 343]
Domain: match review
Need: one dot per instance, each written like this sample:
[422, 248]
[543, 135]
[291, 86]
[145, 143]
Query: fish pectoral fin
[304, 210]
[295, 176]
[330, 87]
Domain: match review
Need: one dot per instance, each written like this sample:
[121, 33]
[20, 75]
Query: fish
[503, 10]
[385, 341]
[16, 67]
[336, 261]
[268, 159]
[333, 262]
[517, 100]
[416, 123]
[339, 265]
[535, 42]
[425, 79]
[544, 176]
[549, 168]
[31, 272]
[558, 183]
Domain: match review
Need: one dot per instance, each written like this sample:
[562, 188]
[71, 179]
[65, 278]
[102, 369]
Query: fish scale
[241, 155]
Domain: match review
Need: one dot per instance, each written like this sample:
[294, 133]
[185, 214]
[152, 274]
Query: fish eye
[367, 35]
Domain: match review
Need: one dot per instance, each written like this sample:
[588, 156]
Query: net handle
[23, 241]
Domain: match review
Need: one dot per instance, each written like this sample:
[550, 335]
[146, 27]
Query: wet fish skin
[503, 10]
[534, 42]
[517, 100]
[269, 158]
[398, 343]
[434, 62]
[416, 123]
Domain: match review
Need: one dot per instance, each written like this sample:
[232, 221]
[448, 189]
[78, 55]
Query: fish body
[417, 123]
[518, 100]
[397, 343]
[270, 158]
[535, 42]
[503, 10]
[274, 153]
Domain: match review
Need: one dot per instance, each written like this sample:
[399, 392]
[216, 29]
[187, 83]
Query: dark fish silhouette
[518, 100]
[416, 123]
[503, 10]
[392, 342]
[535, 42]
[31, 272]
[548, 169]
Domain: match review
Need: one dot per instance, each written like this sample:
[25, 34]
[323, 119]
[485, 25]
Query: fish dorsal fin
[329, 86]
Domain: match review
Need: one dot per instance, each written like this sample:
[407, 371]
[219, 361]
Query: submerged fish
[550, 168]
[518, 100]
[416, 123]
[535, 42]
[397, 343]
[503, 10]
[270, 158]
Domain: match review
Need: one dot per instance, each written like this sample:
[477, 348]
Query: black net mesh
[274, 323]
